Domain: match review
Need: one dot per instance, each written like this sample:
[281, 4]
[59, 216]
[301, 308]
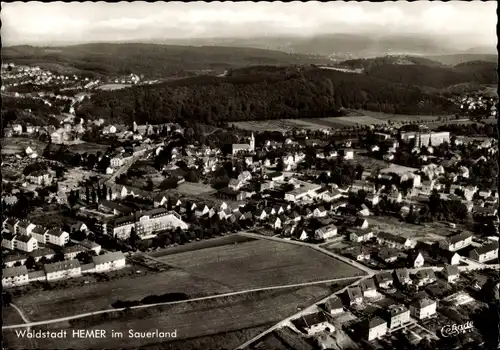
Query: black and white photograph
[250, 175]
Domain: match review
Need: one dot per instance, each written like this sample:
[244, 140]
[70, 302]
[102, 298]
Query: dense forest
[424, 72]
[259, 93]
[150, 60]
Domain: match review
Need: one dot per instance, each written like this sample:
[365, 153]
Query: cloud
[47, 22]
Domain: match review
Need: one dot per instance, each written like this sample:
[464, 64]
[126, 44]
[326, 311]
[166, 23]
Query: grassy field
[194, 189]
[260, 263]
[11, 316]
[111, 87]
[215, 270]
[353, 118]
[16, 145]
[87, 147]
[434, 231]
[206, 243]
[98, 296]
[209, 319]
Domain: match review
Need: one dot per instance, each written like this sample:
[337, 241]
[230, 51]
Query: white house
[109, 261]
[312, 324]
[485, 253]
[355, 295]
[376, 328]
[423, 308]
[24, 227]
[456, 242]
[368, 288]
[399, 315]
[25, 243]
[326, 232]
[57, 237]
[334, 305]
[62, 269]
[450, 272]
[14, 276]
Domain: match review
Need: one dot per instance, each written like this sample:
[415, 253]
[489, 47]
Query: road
[247, 291]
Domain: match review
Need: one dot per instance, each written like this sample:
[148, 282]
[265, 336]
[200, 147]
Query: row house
[456, 242]
[24, 227]
[109, 262]
[24, 243]
[394, 241]
[485, 253]
[63, 269]
[14, 276]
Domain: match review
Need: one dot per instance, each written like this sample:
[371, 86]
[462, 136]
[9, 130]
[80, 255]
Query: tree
[133, 239]
[86, 256]
[149, 184]
[87, 194]
[30, 263]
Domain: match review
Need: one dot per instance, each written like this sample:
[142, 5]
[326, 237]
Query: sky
[37, 23]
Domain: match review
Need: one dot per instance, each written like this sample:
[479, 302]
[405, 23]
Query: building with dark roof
[314, 323]
[63, 269]
[109, 261]
[376, 327]
[485, 253]
[423, 308]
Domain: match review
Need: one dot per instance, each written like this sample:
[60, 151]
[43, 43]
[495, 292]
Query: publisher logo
[454, 330]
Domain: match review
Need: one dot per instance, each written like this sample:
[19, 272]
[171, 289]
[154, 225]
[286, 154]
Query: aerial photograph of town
[252, 175]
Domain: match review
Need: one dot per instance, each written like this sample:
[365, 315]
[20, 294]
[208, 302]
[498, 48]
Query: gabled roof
[426, 273]
[451, 270]
[375, 322]
[402, 273]
[458, 238]
[354, 292]
[109, 257]
[14, 271]
[383, 277]
[310, 320]
[55, 232]
[387, 253]
[24, 223]
[392, 238]
[395, 310]
[61, 266]
[424, 302]
[487, 248]
[334, 303]
[24, 238]
[367, 284]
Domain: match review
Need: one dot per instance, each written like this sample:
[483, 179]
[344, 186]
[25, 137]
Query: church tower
[252, 143]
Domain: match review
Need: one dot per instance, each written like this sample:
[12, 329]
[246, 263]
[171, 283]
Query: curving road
[247, 291]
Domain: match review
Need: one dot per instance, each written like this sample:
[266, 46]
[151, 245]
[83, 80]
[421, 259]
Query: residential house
[346, 153]
[451, 258]
[451, 273]
[485, 253]
[39, 233]
[423, 308]
[377, 328]
[275, 223]
[334, 305]
[394, 241]
[357, 235]
[325, 232]
[11, 225]
[14, 276]
[314, 323]
[40, 253]
[416, 259]
[25, 243]
[13, 259]
[425, 276]
[114, 208]
[355, 295]
[57, 237]
[364, 211]
[388, 255]
[456, 242]
[398, 315]
[8, 240]
[72, 251]
[62, 269]
[360, 253]
[361, 224]
[260, 214]
[368, 288]
[384, 280]
[403, 276]
[109, 261]
[360, 185]
[39, 177]
[320, 212]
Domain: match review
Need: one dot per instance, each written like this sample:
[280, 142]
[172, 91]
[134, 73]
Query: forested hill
[423, 72]
[258, 93]
[151, 60]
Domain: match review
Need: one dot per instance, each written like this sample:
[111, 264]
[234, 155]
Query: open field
[194, 189]
[434, 231]
[84, 147]
[111, 87]
[259, 264]
[47, 304]
[386, 116]
[11, 316]
[190, 320]
[16, 145]
[206, 243]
